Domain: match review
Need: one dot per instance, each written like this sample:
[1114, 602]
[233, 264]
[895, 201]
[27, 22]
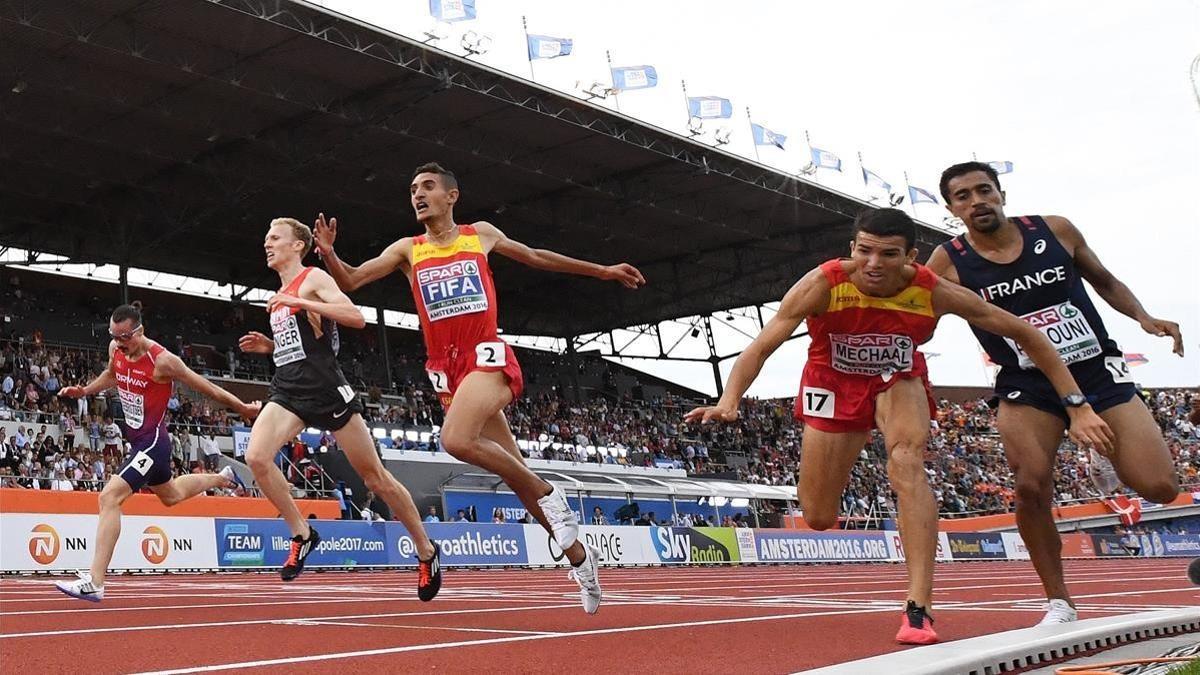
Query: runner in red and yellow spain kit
[866, 316]
[475, 374]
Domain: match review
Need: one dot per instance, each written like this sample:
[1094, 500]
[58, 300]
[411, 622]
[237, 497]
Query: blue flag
[764, 136]
[546, 47]
[823, 159]
[872, 179]
[634, 77]
[1001, 167]
[452, 10]
[916, 195]
[710, 107]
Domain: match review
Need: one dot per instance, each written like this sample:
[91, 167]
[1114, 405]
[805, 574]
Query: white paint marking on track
[492, 641]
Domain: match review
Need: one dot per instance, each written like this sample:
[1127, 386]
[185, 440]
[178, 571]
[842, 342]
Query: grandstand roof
[166, 134]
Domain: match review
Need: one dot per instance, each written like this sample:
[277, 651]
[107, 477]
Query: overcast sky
[1091, 101]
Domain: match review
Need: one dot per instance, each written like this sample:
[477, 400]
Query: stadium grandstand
[148, 145]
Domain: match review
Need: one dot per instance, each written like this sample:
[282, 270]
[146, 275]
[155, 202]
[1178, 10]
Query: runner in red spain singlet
[866, 316]
[456, 301]
[474, 373]
[861, 346]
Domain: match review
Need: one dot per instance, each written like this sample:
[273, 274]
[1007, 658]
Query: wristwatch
[1074, 400]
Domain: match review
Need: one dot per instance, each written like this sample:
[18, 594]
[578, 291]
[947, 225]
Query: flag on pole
[634, 77]
[917, 195]
[546, 47]
[1001, 167]
[452, 10]
[1136, 359]
[872, 179]
[764, 136]
[710, 107]
[823, 159]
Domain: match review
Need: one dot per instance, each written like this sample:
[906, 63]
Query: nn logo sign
[45, 544]
[156, 545]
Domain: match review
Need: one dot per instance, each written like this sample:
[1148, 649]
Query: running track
[662, 620]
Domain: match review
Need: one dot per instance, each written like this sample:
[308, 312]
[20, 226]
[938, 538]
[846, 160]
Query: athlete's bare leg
[496, 429]
[902, 415]
[108, 527]
[355, 440]
[1143, 461]
[178, 489]
[478, 398]
[275, 426]
[1031, 438]
[825, 462]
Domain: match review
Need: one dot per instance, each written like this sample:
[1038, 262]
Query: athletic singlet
[453, 290]
[305, 357]
[143, 401]
[862, 334]
[1042, 287]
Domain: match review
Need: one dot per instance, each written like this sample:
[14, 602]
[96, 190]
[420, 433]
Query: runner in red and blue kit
[866, 316]
[144, 374]
[474, 373]
[1034, 267]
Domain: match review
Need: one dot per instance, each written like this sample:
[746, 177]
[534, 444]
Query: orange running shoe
[916, 626]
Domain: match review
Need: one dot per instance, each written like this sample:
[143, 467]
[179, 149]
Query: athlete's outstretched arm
[103, 381]
[171, 366]
[808, 296]
[1113, 290]
[543, 259]
[333, 302]
[1087, 429]
[349, 277]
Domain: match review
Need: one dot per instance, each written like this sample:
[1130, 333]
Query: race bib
[1118, 368]
[453, 289]
[441, 383]
[871, 354]
[133, 405]
[817, 402]
[141, 462]
[490, 355]
[289, 347]
[1067, 329]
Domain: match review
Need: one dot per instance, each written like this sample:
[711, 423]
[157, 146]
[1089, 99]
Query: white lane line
[253, 622]
[492, 641]
[303, 622]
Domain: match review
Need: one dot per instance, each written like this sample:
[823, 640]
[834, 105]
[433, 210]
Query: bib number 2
[490, 355]
[817, 402]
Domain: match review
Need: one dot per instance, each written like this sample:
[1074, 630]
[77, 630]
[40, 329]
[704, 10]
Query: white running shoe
[235, 481]
[82, 588]
[587, 575]
[1102, 473]
[563, 521]
[1058, 611]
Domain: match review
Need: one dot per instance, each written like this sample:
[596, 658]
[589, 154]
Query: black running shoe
[429, 575]
[300, 549]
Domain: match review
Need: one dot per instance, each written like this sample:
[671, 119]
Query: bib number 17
[817, 402]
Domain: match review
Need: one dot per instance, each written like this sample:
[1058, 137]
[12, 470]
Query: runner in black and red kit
[309, 390]
[474, 373]
[144, 373]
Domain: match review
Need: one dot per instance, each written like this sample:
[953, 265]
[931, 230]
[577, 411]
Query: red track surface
[665, 620]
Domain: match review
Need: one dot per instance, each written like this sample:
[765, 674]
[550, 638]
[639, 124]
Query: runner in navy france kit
[1034, 267]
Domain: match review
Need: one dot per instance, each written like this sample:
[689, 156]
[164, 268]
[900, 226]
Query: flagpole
[616, 92]
[863, 170]
[753, 141]
[908, 191]
[525, 28]
[687, 105]
[808, 142]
